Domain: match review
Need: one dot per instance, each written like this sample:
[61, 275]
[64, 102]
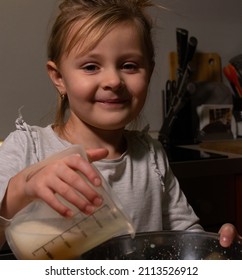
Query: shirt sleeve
[14, 157]
[177, 213]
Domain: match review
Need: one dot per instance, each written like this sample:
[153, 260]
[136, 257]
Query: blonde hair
[97, 17]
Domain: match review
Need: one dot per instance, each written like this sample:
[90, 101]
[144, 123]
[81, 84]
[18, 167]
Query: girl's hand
[57, 176]
[228, 234]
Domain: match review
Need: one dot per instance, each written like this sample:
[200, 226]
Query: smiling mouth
[114, 101]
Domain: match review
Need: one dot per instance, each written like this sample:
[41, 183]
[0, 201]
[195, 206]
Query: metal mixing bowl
[166, 245]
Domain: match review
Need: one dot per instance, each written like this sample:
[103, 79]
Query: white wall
[217, 24]
[23, 78]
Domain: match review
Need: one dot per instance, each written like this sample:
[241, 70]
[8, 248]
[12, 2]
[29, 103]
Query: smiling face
[106, 86]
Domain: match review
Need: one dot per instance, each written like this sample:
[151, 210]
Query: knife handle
[181, 39]
[191, 48]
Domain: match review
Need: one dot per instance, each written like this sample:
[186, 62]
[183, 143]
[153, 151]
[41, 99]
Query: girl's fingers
[71, 177]
[227, 234]
[68, 194]
[62, 178]
[96, 154]
[51, 199]
[76, 162]
[74, 187]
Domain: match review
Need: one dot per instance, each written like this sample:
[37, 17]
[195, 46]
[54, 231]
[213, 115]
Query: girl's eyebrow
[87, 55]
[125, 55]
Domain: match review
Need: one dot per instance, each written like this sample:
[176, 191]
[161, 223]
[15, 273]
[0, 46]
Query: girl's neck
[94, 138]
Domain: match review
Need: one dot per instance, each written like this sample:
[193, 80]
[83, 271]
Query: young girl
[100, 59]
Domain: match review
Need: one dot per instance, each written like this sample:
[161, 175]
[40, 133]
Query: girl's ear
[55, 76]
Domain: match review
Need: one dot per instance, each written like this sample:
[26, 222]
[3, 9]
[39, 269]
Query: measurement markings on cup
[93, 220]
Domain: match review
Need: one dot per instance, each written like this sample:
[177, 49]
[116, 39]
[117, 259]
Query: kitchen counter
[212, 185]
[227, 163]
[230, 147]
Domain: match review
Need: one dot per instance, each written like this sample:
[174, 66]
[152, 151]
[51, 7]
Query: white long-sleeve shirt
[141, 177]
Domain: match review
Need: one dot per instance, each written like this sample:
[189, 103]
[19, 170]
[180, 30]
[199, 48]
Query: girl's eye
[90, 68]
[130, 66]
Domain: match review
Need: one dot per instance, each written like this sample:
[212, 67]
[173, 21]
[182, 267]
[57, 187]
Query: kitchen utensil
[39, 232]
[181, 40]
[237, 63]
[179, 99]
[191, 48]
[234, 78]
[186, 69]
[166, 245]
[170, 93]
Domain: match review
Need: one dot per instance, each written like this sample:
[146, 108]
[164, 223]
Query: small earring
[62, 96]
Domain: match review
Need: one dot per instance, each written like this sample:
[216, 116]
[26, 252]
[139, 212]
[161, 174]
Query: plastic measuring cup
[39, 232]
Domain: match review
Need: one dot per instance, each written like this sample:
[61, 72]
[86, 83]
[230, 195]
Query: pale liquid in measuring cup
[43, 240]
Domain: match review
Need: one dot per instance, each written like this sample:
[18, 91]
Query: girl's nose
[112, 80]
